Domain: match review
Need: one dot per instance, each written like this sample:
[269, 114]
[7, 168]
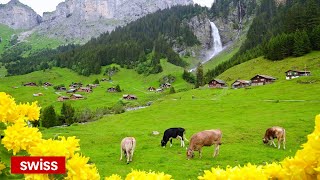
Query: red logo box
[38, 165]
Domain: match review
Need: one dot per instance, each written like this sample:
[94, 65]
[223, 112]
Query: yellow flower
[136, 174]
[2, 167]
[63, 147]
[20, 137]
[79, 169]
[36, 177]
[113, 177]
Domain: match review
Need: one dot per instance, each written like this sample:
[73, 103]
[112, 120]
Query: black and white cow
[171, 133]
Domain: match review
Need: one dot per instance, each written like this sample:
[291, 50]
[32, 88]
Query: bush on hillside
[48, 117]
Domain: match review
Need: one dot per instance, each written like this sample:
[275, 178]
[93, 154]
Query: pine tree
[118, 89]
[67, 113]
[199, 75]
[301, 44]
[48, 117]
[315, 38]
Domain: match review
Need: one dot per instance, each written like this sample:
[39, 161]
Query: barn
[217, 83]
[259, 80]
[291, 74]
[240, 84]
[129, 97]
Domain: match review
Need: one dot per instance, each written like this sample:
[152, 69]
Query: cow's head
[265, 140]
[190, 153]
[163, 143]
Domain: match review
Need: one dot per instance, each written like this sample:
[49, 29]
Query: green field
[129, 81]
[5, 34]
[243, 115]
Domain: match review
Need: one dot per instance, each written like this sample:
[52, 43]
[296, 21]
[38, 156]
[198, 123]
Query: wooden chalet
[47, 84]
[63, 98]
[291, 74]
[129, 97]
[112, 89]
[75, 85]
[217, 83]
[72, 91]
[259, 79]
[30, 84]
[151, 88]
[240, 84]
[76, 97]
[165, 85]
[37, 94]
[61, 89]
[84, 89]
[159, 90]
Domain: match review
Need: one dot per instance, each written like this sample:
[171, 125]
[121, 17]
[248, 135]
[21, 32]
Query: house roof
[77, 95]
[298, 71]
[64, 97]
[240, 81]
[264, 76]
[219, 81]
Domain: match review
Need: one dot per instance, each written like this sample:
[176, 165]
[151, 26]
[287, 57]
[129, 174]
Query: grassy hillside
[242, 114]
[129, 81]
[5, 34]
[275, 69]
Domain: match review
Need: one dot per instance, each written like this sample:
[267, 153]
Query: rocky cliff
[18, 16]
[82, 19]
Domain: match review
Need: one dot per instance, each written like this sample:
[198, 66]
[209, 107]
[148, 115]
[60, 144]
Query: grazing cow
[204, 138]
[275, 132]
[128, 145]
[173, 133]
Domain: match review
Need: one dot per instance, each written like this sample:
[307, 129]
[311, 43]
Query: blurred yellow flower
[20, 137]
[113, 177]
[63, 147]
[78, 168]
[2, 167]
[36, 177]
[143, 175]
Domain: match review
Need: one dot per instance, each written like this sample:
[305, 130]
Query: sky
[41, 6]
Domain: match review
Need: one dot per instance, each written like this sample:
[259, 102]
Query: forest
[139, 45]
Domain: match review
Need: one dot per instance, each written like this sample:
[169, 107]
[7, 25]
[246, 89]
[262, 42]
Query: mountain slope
[81, 20]
[18, 16]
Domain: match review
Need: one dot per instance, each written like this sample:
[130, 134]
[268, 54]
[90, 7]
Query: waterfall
[217, 45]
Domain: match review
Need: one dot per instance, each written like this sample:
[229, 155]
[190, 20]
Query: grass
[5, 34]
[41, 42]
[243, 115]
[129, 81]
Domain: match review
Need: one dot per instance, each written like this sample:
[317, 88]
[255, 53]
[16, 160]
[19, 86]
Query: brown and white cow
[128, 145]
[204, 138]
[275, 132]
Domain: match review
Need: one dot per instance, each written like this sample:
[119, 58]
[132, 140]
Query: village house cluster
[257, 80]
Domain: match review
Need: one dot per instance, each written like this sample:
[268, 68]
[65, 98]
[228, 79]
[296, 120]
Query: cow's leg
[279, 142]
[216, 150]
[121, 151]
[170, 142]
[131, 155]
[284, 143]
[272, 141]
[128, 156]
[200, 153]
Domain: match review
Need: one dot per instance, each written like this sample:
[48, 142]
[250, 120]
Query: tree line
[138, 45]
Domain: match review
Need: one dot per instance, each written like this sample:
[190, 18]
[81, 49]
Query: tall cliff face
[82, 19]
[18, 16]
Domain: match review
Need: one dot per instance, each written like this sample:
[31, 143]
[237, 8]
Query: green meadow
[243, 115]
